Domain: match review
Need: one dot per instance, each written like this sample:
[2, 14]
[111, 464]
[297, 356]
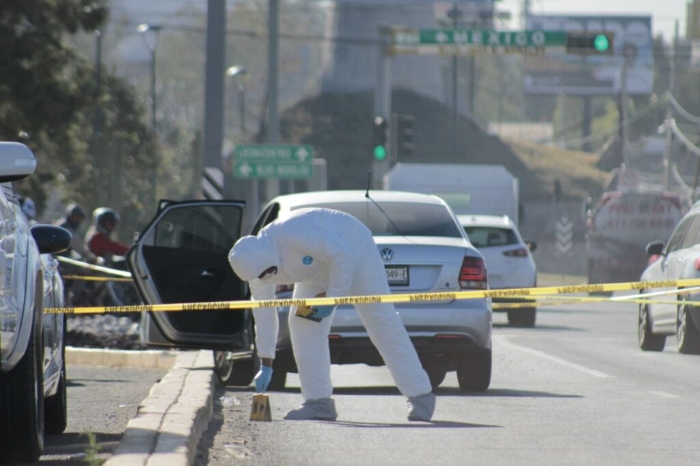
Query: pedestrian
[328, 253]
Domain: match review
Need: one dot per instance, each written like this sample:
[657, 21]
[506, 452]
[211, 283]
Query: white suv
[509, 262]
[32, 362]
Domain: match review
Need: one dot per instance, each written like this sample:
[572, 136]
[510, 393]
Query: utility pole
[382, 100]
[214, 84]
[97, 123]
[623, 114]
[455, 14]
[669, 115]
[273, 122]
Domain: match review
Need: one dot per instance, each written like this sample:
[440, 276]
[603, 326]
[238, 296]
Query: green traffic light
[601, 43]
[379, 152]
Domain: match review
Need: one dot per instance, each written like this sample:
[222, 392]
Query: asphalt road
[575, 390]
[101, 401]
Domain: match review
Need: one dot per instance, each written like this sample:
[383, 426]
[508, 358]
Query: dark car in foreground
[33, 398]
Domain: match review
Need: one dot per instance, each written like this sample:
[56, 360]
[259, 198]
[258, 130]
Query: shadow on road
[501, 393]
[422, 425]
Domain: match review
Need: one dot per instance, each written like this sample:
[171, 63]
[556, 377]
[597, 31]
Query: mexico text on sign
[467, 41]
[273, 161]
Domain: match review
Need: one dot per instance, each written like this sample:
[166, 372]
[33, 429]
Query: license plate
[397, 275]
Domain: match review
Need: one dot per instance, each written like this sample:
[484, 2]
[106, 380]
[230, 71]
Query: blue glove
[262, 379]
[321, 312]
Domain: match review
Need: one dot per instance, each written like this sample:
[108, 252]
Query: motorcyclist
[98, 236]
[74, 217]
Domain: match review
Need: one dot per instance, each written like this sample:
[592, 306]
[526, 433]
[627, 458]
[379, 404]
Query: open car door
[182, 257]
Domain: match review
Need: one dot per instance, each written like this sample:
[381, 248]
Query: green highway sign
[468, 41]
[273, 161]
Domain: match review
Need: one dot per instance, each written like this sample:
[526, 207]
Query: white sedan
[509, 262]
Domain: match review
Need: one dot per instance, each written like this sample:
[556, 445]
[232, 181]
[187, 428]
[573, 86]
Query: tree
[48, 95]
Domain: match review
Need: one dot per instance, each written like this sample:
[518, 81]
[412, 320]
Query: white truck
[468, 189]
[619, 227]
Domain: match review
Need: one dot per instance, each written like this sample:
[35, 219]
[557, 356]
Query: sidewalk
[171, 420]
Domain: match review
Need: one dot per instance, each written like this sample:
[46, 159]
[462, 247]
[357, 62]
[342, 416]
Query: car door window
[201, 229]
[676, 241]
[268, 216]
[691, 236]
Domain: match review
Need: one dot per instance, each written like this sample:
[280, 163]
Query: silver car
[677, 259]
[33, 398]
[182, 256]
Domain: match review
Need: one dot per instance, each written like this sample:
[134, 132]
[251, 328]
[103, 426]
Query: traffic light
[379, 138]
[589, 43]
[404, 130]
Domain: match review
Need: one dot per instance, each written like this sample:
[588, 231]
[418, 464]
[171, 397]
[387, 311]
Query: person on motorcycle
[98, 236]
[74, 217]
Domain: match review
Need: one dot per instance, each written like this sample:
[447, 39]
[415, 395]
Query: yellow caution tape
[520, 293]
[97, 268]
[90, 278]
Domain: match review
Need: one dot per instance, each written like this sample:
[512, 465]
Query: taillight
[520, 252]
[697, 263]
[473, 273]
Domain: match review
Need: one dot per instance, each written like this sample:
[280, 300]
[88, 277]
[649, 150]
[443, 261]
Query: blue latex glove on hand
[262, 379]
[321, 312]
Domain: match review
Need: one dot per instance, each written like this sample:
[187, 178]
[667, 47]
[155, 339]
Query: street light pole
[153, 47]
[144, 29]
[233, 72]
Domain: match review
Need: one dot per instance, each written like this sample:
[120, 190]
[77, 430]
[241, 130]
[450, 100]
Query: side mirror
[51, 239]
[16, 161]
[655, 248]
[586, 207]
[531, 245]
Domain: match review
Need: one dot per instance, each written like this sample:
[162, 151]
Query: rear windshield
[400, 218]
[481, 236]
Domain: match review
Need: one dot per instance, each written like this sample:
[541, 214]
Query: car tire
[474, 371]
[56, 406]
[524, 317]
[647, 340]
[436, 373]
[22, 405]
[235, 372]
[687, 333]
[278, 380]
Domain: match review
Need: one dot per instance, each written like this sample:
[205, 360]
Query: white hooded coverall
[325, 250]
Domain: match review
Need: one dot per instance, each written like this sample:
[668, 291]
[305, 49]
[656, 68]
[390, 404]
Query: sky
[664, 12]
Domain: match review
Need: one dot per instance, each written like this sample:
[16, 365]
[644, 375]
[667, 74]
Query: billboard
[559, 72]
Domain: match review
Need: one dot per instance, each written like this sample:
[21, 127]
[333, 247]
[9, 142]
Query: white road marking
[664, 394]
[524, 349]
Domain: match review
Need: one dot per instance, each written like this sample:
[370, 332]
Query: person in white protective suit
[325, 252]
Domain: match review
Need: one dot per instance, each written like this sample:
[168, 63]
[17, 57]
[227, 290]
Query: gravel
[104, 331]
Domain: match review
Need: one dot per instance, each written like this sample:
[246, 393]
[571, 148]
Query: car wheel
[235, 372]
[688, 335]
[223, 366]
[22, 405]
[278, 380]
[647, 340]
[524, 317]
[56, 406]
[436, 373]
[474, 372]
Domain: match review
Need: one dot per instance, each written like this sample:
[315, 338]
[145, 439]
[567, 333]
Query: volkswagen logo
[387, 254]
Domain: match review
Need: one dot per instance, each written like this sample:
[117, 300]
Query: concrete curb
[171, 420]
[118, 358]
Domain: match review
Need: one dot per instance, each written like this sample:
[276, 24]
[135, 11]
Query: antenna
[369, 183]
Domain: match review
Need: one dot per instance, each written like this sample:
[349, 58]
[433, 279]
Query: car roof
[486, 220]
[320, 197]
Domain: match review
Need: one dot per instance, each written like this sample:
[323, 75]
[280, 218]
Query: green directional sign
[273, 161]
[469, 41]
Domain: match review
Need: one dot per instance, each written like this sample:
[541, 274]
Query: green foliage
[49, 96]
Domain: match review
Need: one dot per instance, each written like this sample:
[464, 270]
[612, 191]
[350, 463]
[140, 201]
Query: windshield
[399, 218]
[484, 236]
